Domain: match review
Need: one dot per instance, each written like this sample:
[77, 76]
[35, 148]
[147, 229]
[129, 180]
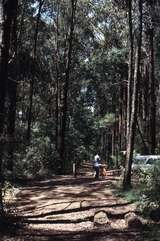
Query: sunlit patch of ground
[67, 204]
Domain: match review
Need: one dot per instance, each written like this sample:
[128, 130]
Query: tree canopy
[77, 77]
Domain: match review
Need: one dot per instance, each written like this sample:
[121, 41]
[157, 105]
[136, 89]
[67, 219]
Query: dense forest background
[77, 77]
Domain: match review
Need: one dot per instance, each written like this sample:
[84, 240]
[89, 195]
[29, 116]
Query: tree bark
[8, 9]
[12, 94]
[66, 87]
[146, 147]
[33, 75]
[130, 70]
[57, 82]
[132, 131]
[153, 96]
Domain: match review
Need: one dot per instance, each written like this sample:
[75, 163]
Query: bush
[150, 181]
[36, 158]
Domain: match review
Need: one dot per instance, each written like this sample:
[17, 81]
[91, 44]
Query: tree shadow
[81, 209]
[85, 235]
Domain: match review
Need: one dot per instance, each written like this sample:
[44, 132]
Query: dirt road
[63, 208]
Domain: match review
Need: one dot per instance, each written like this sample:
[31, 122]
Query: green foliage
[37, 158]
[131, 196]
[150, 181]
[145, 193]
[98, 61]
[81, 134]
[9, 192]
[115, 161]
[99, 67]
[7, 188]
[108, 119]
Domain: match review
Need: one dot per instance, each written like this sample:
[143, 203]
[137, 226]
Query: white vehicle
[145, 162]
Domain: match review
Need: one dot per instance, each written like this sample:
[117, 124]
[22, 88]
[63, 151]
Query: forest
[77, 78]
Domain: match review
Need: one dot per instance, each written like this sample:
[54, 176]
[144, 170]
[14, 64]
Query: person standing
[96, 164]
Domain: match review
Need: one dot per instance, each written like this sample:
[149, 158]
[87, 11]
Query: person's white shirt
[96, 161]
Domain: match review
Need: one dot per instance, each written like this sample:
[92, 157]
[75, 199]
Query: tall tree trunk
[145, 145]
[130, 70]
[66, 86]
[7, 9]
[131, 136]
[153, 96]
[125, 90]
[146, 104]
[57, 81]
[57, 111]
[21, 24]
[12, 94]
[33, 75]
[113, 141]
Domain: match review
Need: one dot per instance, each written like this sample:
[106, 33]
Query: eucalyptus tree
[130, 71]
[150, 31]
[72, 53]
[34, 56]
[8, 11]
[132, 129]
[67, 79]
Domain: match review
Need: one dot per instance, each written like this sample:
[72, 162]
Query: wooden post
[74, 170]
